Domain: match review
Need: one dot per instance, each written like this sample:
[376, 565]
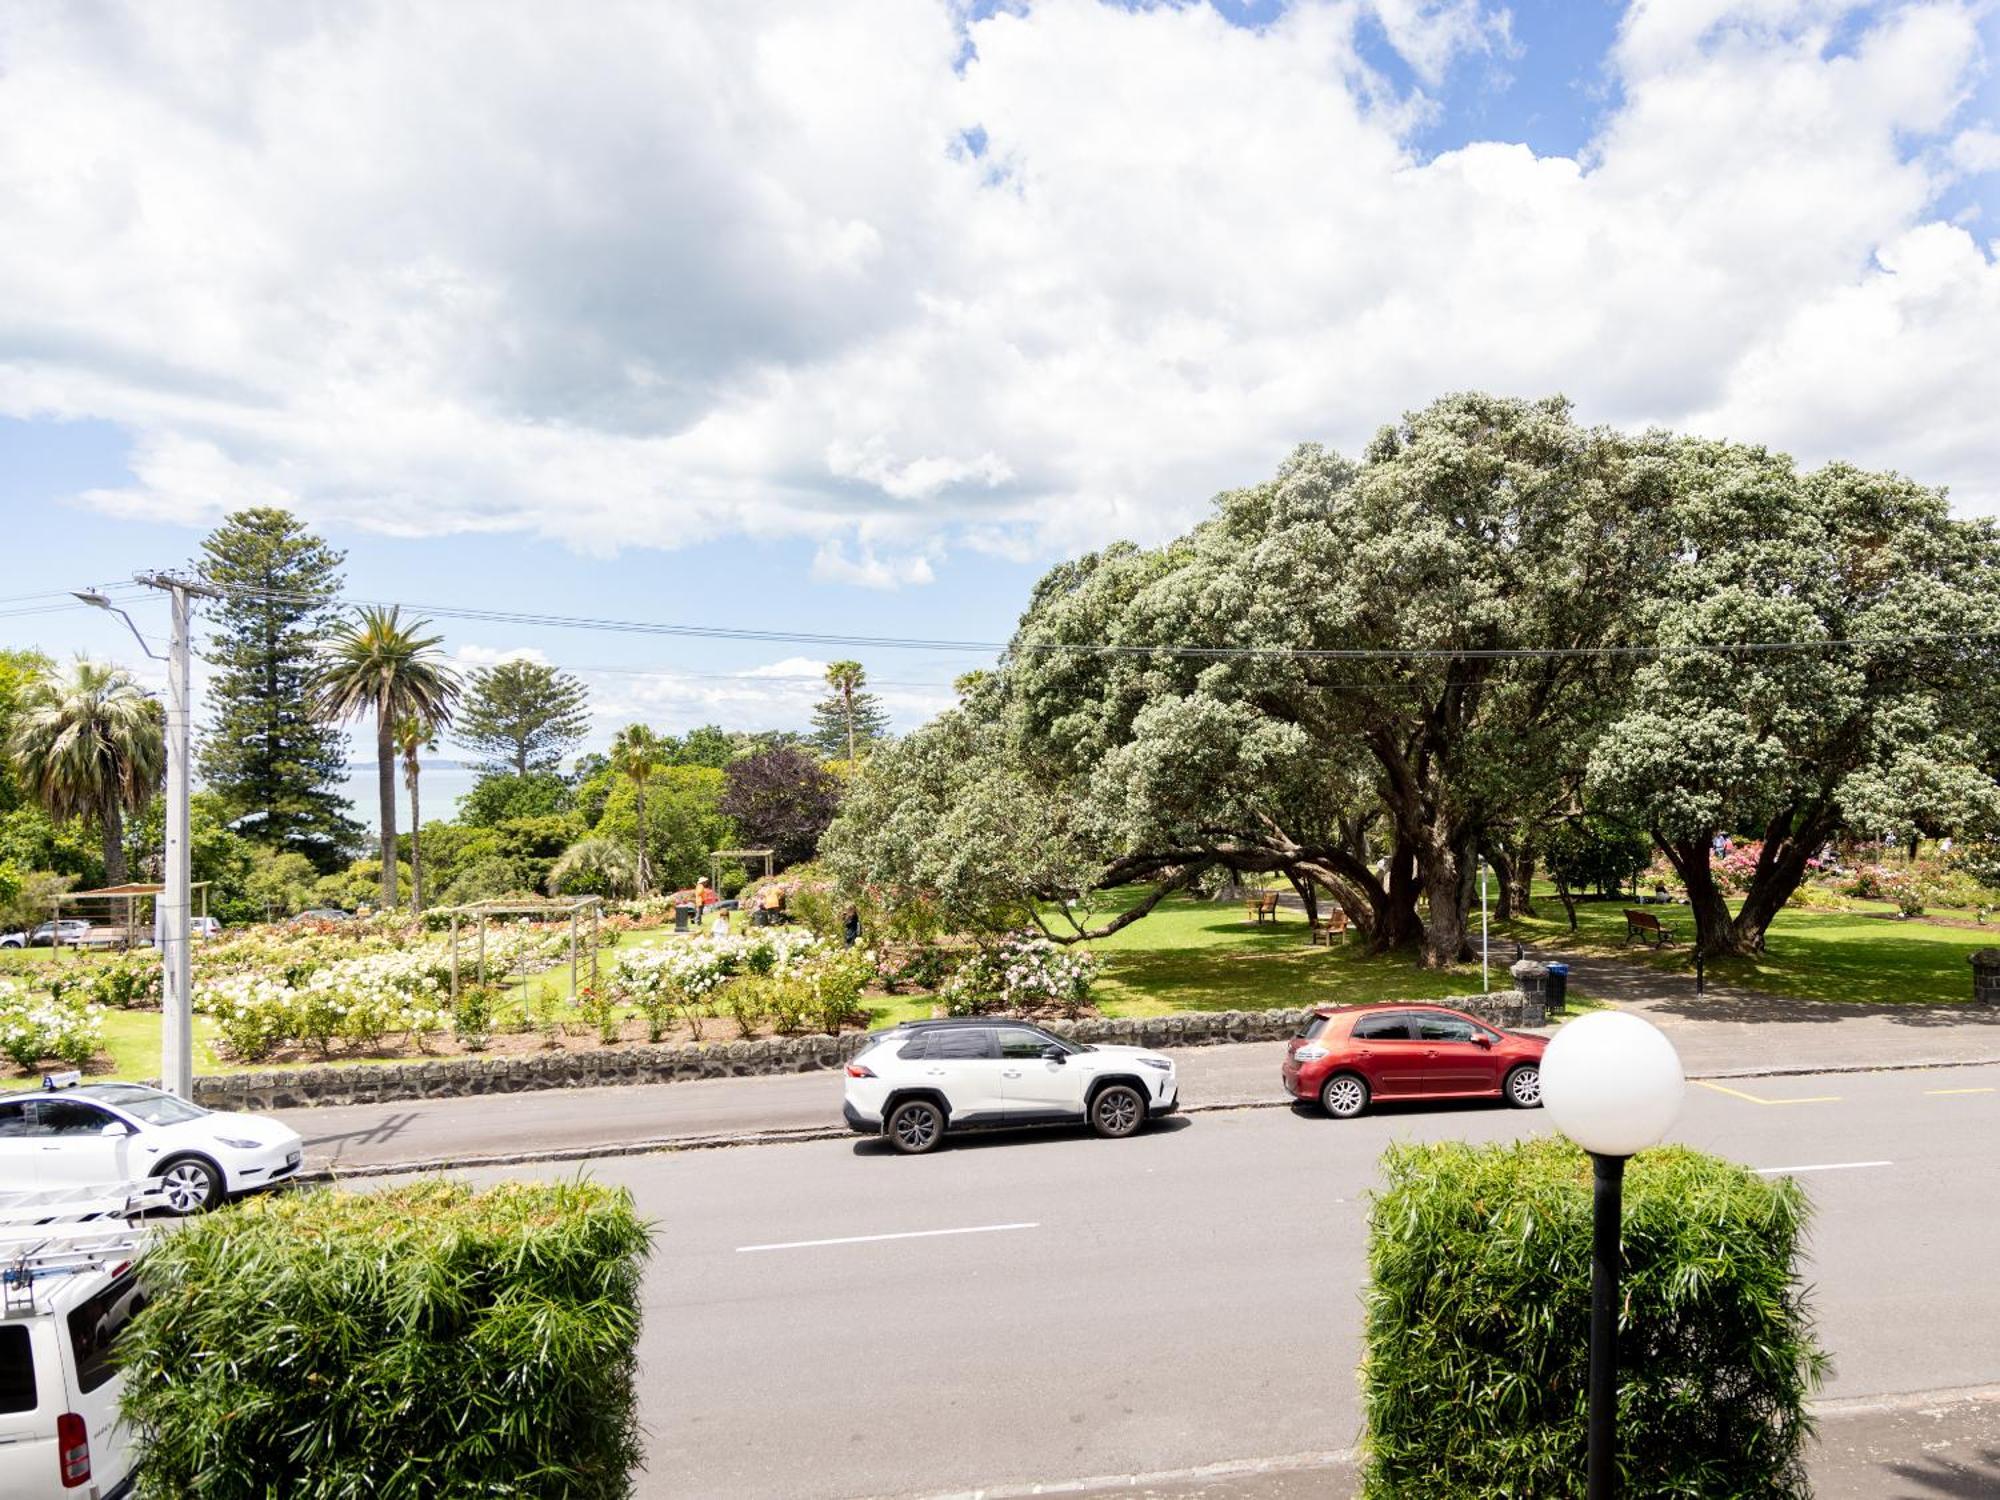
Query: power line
[1100, 648]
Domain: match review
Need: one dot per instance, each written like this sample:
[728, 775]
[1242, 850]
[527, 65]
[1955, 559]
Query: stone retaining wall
[458, 1076]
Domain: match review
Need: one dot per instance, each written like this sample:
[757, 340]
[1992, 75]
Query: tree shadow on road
[1978, 1476]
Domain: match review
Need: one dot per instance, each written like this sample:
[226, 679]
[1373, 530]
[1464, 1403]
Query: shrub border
[382, 1083]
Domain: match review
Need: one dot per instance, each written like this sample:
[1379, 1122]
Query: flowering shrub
[357, 1000]
[1023, 975]
[35, 1024]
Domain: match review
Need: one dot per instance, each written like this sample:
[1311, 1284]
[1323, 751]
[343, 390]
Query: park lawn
[1851, 957]
[1191, 955]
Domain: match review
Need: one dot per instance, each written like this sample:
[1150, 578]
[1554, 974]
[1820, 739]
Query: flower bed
[37, 1025]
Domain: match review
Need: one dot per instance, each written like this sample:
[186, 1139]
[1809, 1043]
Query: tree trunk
[416, 850]
[1445, 878]
[385, 760]
[1399, 926]
[645, 869]
[114, 841]
[1568, 898]
[1307, 895]
[1781, 869]
[1522, 899]
[1503, 875]
[1714, 930]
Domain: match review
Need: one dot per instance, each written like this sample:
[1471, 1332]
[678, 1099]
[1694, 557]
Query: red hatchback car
[1349, 1055]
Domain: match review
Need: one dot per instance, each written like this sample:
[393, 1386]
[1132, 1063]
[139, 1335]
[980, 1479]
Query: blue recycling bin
[1558, 992]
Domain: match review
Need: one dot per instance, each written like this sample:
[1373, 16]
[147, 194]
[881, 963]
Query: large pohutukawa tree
[1396, 638]
[1858, 623]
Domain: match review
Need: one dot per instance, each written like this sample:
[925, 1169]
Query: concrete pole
[177, 1009]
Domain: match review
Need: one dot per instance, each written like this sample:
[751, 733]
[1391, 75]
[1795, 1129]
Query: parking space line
[1824, 1166]
[1754, 1099]
[1958, 1091]
[869, 1239]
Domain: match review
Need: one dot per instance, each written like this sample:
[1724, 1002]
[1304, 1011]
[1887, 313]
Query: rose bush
[37, 1024]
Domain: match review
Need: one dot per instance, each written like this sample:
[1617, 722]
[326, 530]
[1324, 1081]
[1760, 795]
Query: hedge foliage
[426, 1341]
[1478, 1316]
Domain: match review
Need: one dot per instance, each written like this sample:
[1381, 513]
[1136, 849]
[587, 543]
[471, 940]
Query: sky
[851, 317]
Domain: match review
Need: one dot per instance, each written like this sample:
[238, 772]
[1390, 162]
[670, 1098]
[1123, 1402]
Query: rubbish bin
[1558, 987]
[683, 919]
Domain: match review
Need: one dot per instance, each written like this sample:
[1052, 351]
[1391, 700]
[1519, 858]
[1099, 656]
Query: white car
[113, 1132]
[70, 1292]
[913, 1083]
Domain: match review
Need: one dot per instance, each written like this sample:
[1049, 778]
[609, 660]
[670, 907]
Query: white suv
[69, 1293]
[913, 1083]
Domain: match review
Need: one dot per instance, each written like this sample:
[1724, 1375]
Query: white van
[68, 1293]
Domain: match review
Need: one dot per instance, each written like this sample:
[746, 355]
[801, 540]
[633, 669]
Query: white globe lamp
[1613, 1084]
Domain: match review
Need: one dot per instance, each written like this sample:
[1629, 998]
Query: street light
[1613, 1084]
[171, 919]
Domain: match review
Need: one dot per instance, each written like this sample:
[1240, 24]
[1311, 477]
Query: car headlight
[1163, 1064]
[240, 1145]
[1310, 1054]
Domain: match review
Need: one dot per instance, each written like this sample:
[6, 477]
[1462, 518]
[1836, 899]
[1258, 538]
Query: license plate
[291, 1158]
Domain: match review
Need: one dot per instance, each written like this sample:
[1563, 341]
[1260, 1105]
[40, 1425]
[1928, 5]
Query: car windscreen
[17, 1369]
[148, 1105]
[1314, 1027]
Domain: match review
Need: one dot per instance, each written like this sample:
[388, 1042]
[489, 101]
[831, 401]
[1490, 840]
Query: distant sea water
[442, 785]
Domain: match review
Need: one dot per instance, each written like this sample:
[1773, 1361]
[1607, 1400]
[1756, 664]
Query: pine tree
[276, 767]
[523, 716]
[849, 719]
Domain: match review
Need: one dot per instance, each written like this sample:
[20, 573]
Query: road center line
[1958, 1091]
[1825, 1166]
[869, 1239]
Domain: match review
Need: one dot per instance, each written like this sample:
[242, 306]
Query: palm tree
[845, 678]
[376, 664]
[594, 865]
[637, 752]
[90, 743]
[412, 736]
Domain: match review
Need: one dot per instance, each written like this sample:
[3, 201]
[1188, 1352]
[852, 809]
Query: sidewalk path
[1727, 1032]
[1729, 1028]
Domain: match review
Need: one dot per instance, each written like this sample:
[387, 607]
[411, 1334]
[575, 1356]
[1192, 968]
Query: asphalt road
[825, 1320]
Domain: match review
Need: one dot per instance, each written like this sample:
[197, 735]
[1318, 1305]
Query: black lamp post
[1613, 1084]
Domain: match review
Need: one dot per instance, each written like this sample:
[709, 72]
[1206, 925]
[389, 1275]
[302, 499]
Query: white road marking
[1825, 1166]
[869, 1239]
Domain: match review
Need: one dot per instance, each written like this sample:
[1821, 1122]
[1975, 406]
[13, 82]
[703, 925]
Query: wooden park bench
[1643, 924]
[1258, 908]
[1329, 927]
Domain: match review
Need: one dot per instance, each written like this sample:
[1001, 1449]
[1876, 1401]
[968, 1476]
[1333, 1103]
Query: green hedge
[423, 1341]
[1478, 1318]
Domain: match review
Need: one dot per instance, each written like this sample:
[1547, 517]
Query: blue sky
[707, 315]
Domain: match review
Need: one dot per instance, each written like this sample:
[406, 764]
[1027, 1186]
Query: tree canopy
[523, 717]
[277, 766]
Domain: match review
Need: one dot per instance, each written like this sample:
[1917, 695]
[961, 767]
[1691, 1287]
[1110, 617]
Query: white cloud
[631, 274]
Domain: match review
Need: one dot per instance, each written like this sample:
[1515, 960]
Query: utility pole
[177, 988]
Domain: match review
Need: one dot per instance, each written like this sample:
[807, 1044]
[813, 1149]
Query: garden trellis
[575, 908]
[742, 856]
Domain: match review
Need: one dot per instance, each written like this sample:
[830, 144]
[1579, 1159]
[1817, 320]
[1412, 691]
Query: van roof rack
[69, 1232]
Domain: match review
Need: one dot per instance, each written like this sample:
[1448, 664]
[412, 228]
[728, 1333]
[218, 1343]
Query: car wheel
[1344, 1096]
[1524, 1087]
[1117, 1111]
[915, 1127]
[190, 1185]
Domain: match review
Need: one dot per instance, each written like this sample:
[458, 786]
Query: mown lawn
[1865, 956]
[1202, 955]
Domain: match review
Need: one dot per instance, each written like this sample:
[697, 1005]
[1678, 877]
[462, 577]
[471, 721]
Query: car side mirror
[115, 1128]
[1054, 1054]
[1482, 1041]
